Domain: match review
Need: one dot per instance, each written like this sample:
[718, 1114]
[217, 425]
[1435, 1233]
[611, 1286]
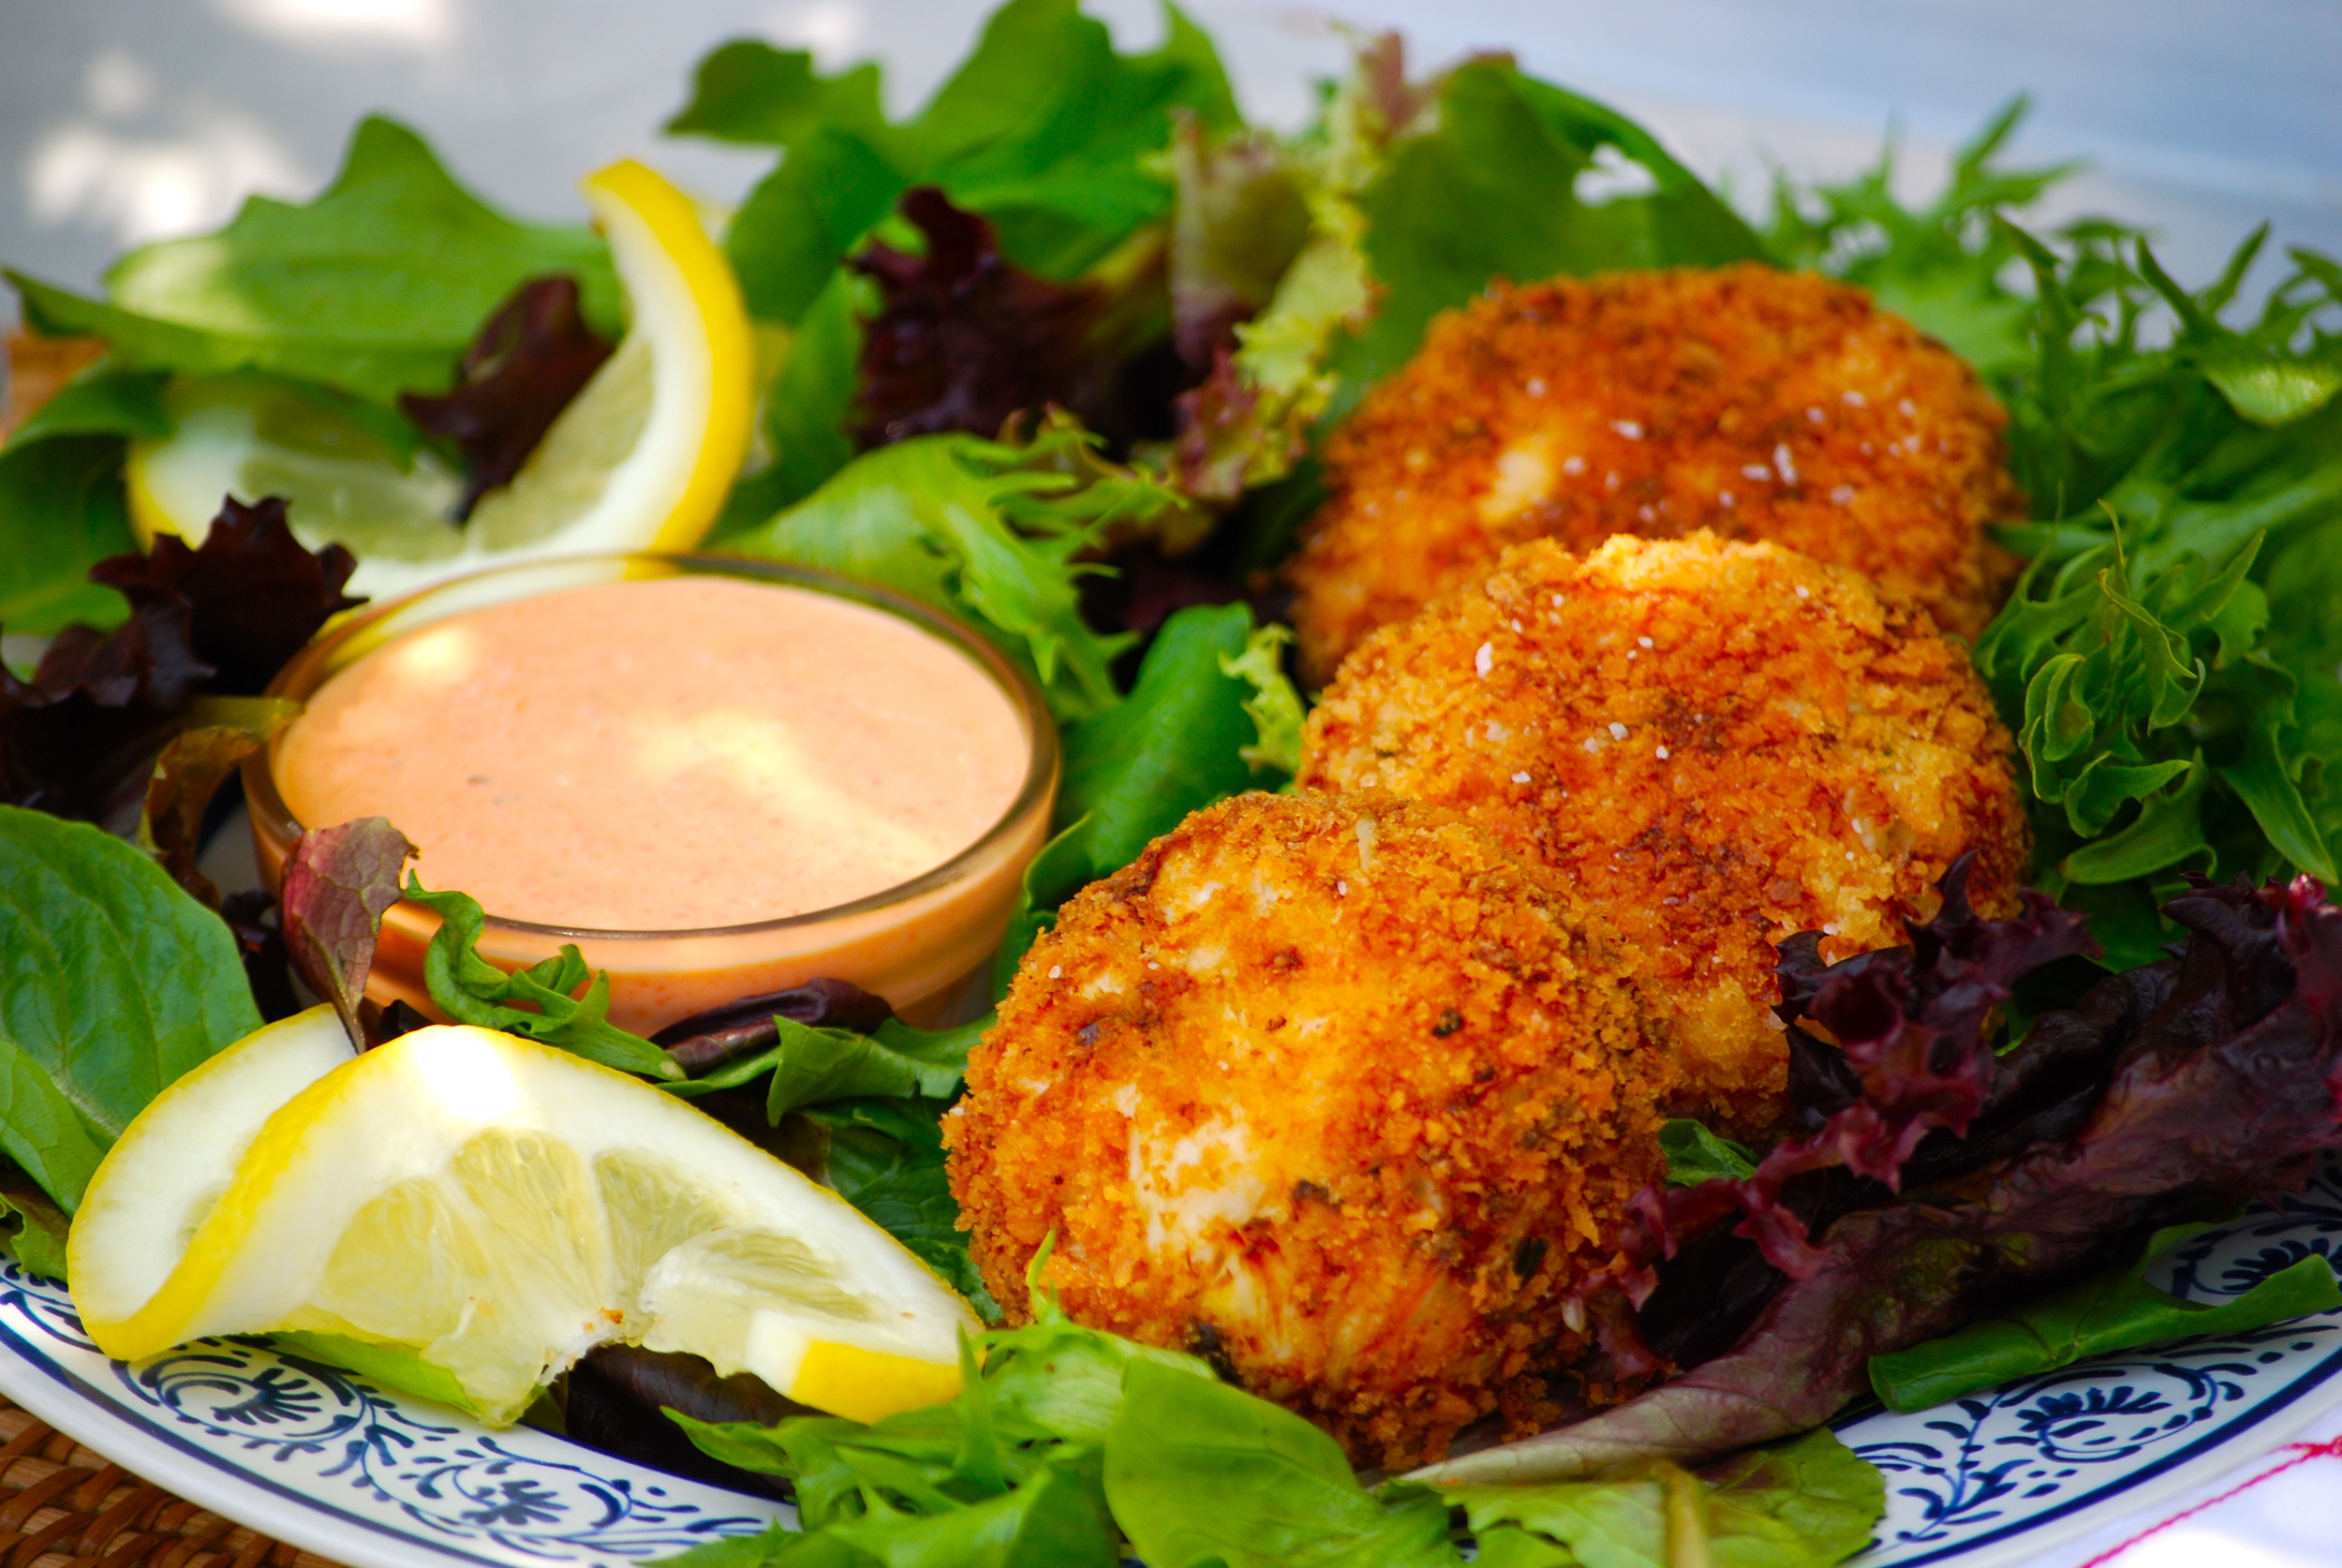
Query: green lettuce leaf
[886, 1157]
[1007, 1472]
[1197, 1472]
[1695, 1155]
[811, 1066]
[2116, 1312]
[2165, 661]
[878, 1099]
[1045, 130]
[1399, 183]
[470, 990]
[1508, 142]
[1804, 1503]
[61, 511]
[1273, 706]
[1185, 736]
[375, 288]
[112, 983]
[1943, 266]
[980, 529]
[392, 1366]
[750, 92]
[32, 1228]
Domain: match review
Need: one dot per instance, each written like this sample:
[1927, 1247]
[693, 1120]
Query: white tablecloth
[2281, 1509]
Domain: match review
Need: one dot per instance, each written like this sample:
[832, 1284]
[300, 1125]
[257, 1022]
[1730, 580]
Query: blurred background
[124, 121]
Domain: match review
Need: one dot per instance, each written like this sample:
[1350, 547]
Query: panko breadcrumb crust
[1751, 402]
[1335, 1092]
[1716, 744]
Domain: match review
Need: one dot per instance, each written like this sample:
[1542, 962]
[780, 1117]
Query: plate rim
[2316, 1392]
[94, 1416]
[149, 1451]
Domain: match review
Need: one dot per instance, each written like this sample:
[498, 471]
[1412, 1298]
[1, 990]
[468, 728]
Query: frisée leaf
[977, 528]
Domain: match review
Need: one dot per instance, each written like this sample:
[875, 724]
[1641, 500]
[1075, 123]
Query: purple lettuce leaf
[256, 595]
[80, 738]
[337, 882]
[2227, 1069]
[965, 338]
[221, 732]
[707, 1041]
[1913, 1054]
[532, 357]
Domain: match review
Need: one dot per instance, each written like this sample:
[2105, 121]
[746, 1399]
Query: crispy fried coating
[1717, 745]
[1335, 1092]
[1753, 403]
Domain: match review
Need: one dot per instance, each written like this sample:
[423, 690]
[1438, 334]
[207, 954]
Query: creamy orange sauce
[669, 754]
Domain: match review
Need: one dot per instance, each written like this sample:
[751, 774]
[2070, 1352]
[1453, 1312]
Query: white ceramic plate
[320, 1458]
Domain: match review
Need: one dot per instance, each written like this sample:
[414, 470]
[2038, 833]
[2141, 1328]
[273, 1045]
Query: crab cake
[1335, 1092]
[1716, 744]
[1753, 403]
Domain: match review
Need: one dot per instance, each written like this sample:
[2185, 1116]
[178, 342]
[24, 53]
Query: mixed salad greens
[1052, 354]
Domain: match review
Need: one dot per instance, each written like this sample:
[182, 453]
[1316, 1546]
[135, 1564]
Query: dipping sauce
[667, 755]
[717, 779]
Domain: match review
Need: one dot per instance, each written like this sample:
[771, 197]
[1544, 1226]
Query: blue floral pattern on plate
[314, 1455]
[1996, 1467]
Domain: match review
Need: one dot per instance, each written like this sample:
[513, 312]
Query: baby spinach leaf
[32, 1227]
[1695, 1155]
[1045, 130]
[1197, 1472]
[470, 990]
[112, 983]
[1508, 142]
[61, 511]
[750, 92]
[789, 237]
[375, 288]
[103, 400]
[2116, 1312]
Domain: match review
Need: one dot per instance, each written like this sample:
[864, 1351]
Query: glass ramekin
[924, 945]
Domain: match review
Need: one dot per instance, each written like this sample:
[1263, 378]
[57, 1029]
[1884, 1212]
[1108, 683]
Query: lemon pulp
[640, 460]
[497, 1208]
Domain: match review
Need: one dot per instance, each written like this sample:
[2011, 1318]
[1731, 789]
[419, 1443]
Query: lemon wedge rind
[172, 1162]
[499, 1206]
[641, 460]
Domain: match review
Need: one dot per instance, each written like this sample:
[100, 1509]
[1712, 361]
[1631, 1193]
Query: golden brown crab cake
[1717, 745]
[1753, 403]
[1336, 1091]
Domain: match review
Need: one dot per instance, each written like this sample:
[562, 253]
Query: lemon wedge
[495, 1207]
[640, 460]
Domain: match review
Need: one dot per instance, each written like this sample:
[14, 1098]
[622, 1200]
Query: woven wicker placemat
[65, 1506]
